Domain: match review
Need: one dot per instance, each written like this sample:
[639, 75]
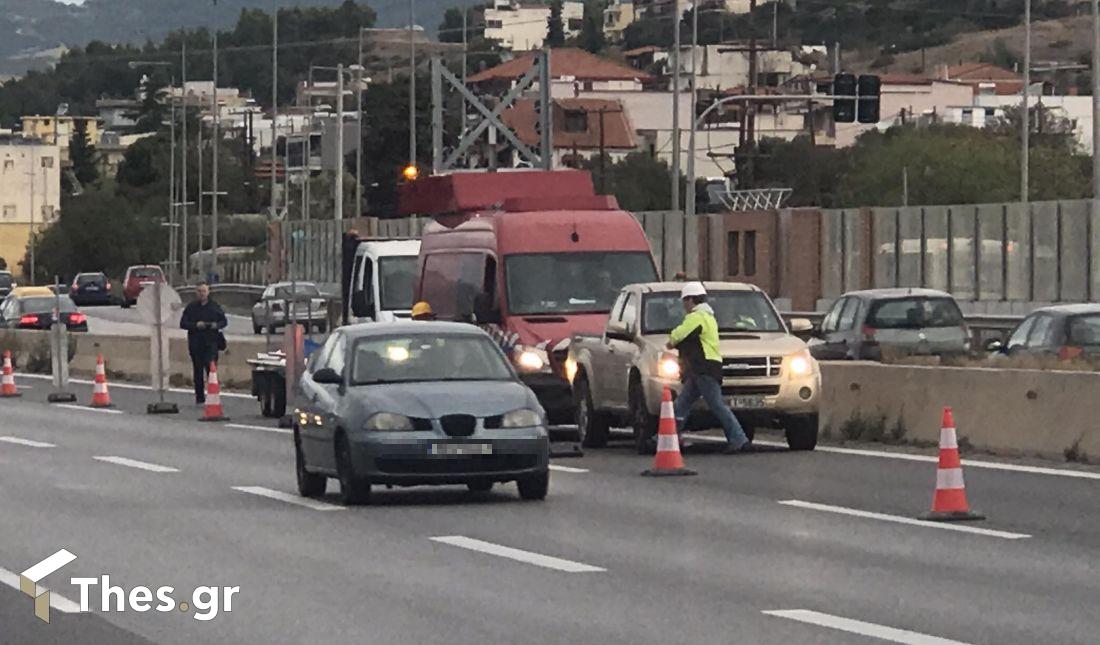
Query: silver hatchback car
[414, 403]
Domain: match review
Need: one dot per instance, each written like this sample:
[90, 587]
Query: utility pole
[462, 128]
[338, 198]
[1096, 100]
[359, 138]
[412, 84]
[1025, 118]
[32, 240]
[274, 104]
[752, 72]
[184, 260]
[172, 268]
[689, 205]
[676, 105]
[905, 185]
[217, 142]
[198, 214]
[603, 148]
[775, 23]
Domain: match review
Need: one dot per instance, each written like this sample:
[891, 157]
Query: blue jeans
[711, 390]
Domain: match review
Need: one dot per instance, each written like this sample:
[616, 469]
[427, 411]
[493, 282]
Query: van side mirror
[327, 376]
[360, 306]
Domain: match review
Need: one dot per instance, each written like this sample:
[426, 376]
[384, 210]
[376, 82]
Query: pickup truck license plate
[461, 449]
[747, 402]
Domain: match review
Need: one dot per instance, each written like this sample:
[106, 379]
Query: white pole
[32, 244]
[274, 100]
[412, 84]
[217, 146]
[689, 207]
[184, 263]
[676, 105]
[338, 198]
[1025, 118]
[1096, 99]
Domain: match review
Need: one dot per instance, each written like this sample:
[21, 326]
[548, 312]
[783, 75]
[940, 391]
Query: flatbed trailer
[269, 383]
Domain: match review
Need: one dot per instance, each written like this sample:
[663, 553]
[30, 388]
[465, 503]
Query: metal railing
[983, 327]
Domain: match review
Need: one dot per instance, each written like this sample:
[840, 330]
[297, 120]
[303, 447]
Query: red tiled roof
[981, 72]
[618, 133]
[564, 62]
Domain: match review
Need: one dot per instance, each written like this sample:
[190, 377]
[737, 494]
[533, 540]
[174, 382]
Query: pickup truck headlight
[570, 369]
[668, 367]
[521, 418]
[800, 363]
[531, 359]
[389, 421]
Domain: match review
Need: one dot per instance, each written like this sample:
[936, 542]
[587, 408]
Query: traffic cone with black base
[668, 462]
[949, 503]
[213, 409]
[7, 382]
[101, 398]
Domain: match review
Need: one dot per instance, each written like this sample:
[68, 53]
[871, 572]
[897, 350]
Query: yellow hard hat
[421, 308]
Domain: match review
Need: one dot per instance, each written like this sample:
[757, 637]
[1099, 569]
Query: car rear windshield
[564, 283]
[89, 278]
[303, 289]
[5, 280]
[396, 281]
[415, 357]
[914, 313]
[734, 310]
[45, 304]
[1082, 331]
[146, 272]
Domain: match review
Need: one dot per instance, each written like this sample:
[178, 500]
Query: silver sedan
[283, 301]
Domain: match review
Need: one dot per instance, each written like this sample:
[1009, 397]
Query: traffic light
[411, 172]
[869, 89]
[844, 110]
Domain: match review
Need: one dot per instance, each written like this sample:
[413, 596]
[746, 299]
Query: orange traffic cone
[100, 397]
[949, 503]
[213, 410]
[668, 461]
[7, 382]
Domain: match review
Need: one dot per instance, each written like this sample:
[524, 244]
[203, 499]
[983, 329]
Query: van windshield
[566, 283]
[396, 280]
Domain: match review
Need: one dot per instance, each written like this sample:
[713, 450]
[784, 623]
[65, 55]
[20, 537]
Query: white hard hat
[692, 289]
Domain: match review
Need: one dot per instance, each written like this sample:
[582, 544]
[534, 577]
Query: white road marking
[897, 519]
[86, 408]
[245, 426]
[567, 469]
[133, 463]
[58, 602]
[872, 630]
[289, 499]
[19, 441]
[518, 555]
[136, 386]
[904, 456]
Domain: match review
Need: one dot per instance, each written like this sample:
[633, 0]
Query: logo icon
[28, 581]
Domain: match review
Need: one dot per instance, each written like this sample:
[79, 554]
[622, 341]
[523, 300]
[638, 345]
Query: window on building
[733, 253]
[576, 121]
[494, 24]
[9, 211]
[9, 164]
[750, 253]
[47, 162]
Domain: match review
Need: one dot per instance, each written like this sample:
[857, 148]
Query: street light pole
[274, 101]
[1096, 99]
[217, 141]
[172, 200]
[184, 260]
[676, 105]
[1025, 118]
[689, 207]
[412, 84]
[338, 198]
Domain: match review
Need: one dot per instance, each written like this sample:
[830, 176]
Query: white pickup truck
[769, 377]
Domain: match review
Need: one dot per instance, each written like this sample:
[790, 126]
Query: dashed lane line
[288, 498]
[519, 555]
[133, 463]
[839, 623]
[898, 519]
[30, 443]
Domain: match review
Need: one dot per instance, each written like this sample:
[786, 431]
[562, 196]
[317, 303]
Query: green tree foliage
[592, 38]
[82, 153]
[151, 113]
[639, 182]
[555, 27]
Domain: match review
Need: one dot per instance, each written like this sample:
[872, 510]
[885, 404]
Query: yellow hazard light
[411, 172]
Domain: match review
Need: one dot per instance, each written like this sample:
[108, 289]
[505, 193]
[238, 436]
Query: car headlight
[521, 418]
[801, 363]
[531, 359]
[668, 367]
[389, 421]
[570, 369]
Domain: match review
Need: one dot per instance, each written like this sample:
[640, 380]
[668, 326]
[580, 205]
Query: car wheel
[354, 490]
[592, 427]
[801, 431]
[125, 304]
[480, 486]
[322, 328]
[644, 423]
[309, 484]
[534, 487]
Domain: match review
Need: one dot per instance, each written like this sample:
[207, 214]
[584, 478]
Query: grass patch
[1074, 453]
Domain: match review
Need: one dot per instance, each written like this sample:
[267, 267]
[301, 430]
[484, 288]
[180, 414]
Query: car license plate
[92, 288]
[747, 402]
[461, 449]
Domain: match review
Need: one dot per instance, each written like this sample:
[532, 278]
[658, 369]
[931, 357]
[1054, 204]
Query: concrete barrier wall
[129, 355]
[1005, 411]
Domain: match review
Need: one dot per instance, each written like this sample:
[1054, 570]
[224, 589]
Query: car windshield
[45, 304]
[914, 313]
[303, 289]
[145, 272]
[734, 310]
[89, 278]
[5, 280]
[396, 279]
[416, 357]
[564, 283]
[1083, 331]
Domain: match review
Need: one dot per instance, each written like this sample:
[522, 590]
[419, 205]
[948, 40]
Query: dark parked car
[7, 283]
[412, 403]
[90, 289]
[1064, 331]
[136, 278]
[36, 312]
[862, 324]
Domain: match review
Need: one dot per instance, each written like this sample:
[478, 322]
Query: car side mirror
[801, 325]
[359, 305]
[994, 345]
[327, 376]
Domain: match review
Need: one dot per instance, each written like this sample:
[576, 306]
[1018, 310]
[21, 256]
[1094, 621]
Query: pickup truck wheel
[592, 426]
[644, 423]
[801, 431]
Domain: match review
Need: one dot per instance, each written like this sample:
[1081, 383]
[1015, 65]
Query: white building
[723, 67]
[988, 107]
[30, 192]
[521, 26]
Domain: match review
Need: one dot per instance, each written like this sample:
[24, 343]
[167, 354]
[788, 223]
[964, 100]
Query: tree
[555, 28]
[639, 182]
[82, 154]
[592, 37]
[150, 115]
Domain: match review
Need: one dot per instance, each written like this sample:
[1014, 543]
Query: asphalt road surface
[773, 547]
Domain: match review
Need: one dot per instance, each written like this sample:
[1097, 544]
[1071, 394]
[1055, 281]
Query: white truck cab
[383, 279]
